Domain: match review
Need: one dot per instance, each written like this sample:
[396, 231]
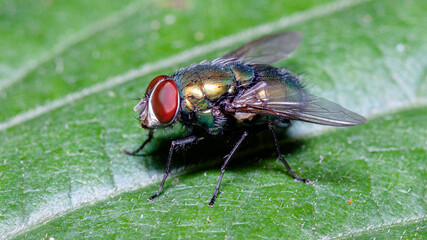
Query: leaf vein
[70, 41]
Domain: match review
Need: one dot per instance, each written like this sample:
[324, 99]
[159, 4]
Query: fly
[233, 94]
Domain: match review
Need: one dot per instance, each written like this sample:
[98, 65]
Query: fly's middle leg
[228, 157]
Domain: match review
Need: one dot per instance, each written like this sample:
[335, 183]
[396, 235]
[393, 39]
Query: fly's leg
[150, 136]
[283, 159]
[175, 143]
[215, 194]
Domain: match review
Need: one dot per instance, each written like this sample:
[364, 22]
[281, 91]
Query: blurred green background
[70, 74]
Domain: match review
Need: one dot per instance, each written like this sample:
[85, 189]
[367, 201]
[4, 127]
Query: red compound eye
[154, 82]
[164, 101]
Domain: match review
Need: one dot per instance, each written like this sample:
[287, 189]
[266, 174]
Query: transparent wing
[276, 98]
[268, 49]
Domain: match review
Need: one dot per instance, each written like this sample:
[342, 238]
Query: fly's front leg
[150, 136]
[282, 158]
[174, 143]
[215, 194]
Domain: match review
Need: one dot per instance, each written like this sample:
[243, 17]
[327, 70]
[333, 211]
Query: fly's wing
[268, 49]
[276, 98]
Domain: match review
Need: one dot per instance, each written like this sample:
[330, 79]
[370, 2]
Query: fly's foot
[132, 153]
[152, 197]
[307, 181]
[213, 199]
[212, 202]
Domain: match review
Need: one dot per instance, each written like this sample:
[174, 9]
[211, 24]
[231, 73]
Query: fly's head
[160, 105]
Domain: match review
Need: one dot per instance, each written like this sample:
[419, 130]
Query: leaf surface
[62, 173]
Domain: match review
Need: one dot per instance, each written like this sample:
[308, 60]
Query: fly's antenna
[140, 104]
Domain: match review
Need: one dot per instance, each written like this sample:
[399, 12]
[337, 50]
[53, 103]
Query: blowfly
[235, 94]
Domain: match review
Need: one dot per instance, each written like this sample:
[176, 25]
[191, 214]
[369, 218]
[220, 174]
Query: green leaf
[69, 75]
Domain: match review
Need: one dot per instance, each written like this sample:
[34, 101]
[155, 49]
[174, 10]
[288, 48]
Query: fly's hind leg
[150, 136]
[215, 194]
[270, 126]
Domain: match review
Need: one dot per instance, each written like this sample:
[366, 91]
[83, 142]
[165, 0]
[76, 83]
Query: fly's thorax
[203, 84]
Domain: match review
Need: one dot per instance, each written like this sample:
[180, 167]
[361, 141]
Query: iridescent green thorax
[203, 84]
